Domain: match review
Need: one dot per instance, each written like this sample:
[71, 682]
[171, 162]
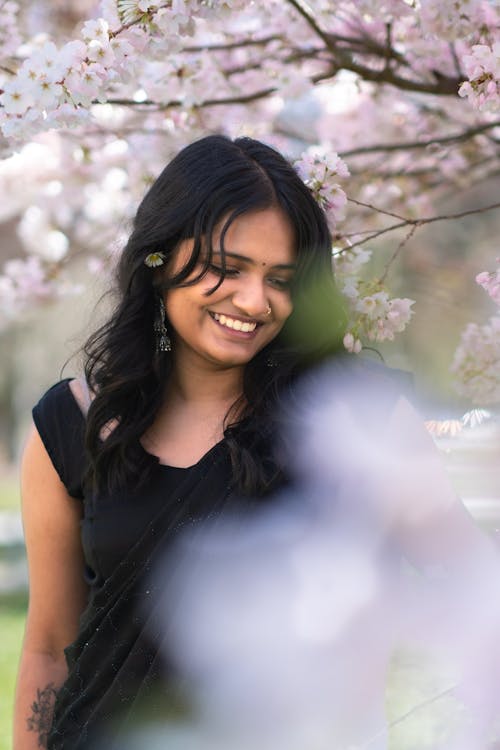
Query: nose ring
[268, 311]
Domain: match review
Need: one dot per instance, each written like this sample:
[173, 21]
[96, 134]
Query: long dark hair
[208, 181]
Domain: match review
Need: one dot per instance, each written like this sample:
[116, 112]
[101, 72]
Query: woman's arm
[57, 592]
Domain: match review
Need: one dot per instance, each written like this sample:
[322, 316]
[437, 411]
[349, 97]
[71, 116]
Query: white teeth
[236, 325]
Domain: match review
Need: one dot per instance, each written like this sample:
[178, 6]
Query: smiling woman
[225, 296]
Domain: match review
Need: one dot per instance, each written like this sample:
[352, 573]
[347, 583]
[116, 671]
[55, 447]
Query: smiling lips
[234, 324]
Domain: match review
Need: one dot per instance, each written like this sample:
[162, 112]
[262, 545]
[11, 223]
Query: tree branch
[309, 19]
[388, 147]
[378, 210]
[456, 61]
[237, 99]
[174, 103]
[396, 252]
[419, 222]
[444, 85]
[233, 45]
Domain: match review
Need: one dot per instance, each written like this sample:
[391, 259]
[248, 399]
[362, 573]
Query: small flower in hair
[153, 260]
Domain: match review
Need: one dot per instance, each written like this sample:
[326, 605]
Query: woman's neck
[204, 386]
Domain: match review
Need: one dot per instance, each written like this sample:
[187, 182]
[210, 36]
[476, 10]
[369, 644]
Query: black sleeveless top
[111, 523]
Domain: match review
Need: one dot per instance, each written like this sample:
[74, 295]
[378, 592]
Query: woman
[218, 312]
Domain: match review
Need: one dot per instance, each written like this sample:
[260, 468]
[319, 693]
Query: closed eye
[280, 283]
[223, 272]
[277, 283]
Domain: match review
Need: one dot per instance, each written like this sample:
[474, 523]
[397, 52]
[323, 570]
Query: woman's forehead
[268, 232]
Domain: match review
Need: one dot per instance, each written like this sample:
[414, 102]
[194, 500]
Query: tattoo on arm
[42, 709]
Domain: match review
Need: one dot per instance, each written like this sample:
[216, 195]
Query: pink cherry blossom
[319, 171]
[451, 19]
[351, 344]
[373, 314]
[476, 363]
[482, 66]
[96, 30]
[102, 53]
[490, 283]
[373, 305]
[16, 97]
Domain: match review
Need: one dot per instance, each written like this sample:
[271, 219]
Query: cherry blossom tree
[383, 106]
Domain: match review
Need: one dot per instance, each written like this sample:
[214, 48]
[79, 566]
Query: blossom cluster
[490, 281]
[320, 171]
[476, 363]
[452, 19]
[54, 87]
[482, 67]
[373, 315]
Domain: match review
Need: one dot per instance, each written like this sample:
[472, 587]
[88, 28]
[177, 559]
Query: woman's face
[228, 327]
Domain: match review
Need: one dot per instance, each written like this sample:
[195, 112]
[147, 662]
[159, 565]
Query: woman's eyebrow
[251, 261]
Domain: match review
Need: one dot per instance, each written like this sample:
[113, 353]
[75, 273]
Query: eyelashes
[282, 284]
[231, 272]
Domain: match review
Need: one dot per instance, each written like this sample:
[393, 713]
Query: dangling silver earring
[163, 343]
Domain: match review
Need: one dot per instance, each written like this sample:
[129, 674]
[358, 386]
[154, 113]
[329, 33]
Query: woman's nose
[251, 298]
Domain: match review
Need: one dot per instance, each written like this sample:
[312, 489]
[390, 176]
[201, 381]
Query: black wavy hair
[211, 180]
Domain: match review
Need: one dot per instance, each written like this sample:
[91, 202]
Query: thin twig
[241, 99]
[445, 217]
[233, 45]
[396, 252]
[295, 56]
[410, 712]
[378, 210]
[394, 174]
[423, 704]
[387, 147]
[456, 61]
[150, 14]
[422, 221]
[302, 9]
[388, 44]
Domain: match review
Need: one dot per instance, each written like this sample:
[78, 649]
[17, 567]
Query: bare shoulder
[38, 474]
[51, 520]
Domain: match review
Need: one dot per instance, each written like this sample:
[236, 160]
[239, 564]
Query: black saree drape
[117, 672]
